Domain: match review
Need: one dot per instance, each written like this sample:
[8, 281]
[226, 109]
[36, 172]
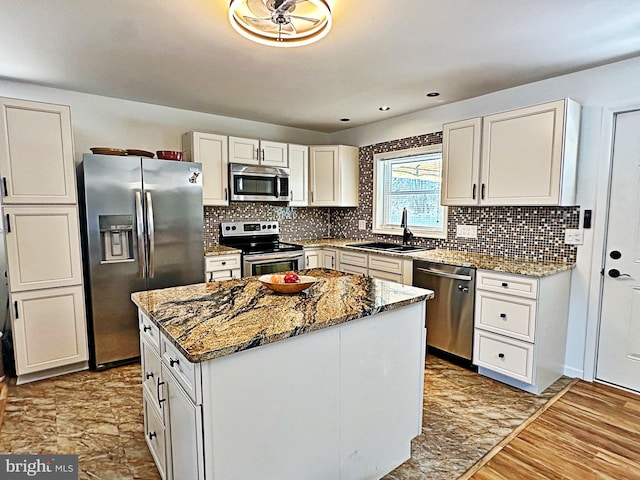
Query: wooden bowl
[305, 282]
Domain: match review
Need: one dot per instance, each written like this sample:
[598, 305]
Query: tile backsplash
[530, 233]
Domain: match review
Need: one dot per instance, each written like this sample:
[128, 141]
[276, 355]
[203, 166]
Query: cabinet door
[522, 156]
[184, 429]
[244, 150]
[324, 176]
[36, 153]
[461, 162]
[299, 179]
[313, 258]
[212, 152]
[49, 329]
[43, 247]
[329, 259]
[274, 154]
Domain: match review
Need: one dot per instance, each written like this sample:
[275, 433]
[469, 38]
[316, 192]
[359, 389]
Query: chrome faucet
[406, 233]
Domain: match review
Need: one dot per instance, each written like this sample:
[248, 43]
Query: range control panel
[239, 229]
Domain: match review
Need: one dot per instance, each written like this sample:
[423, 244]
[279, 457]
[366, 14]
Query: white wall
[600, 90]
[110, 122]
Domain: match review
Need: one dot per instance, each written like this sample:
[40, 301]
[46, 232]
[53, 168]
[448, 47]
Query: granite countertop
[452, 257]
[211, 320]
[213, 250]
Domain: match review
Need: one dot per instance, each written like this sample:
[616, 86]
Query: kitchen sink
[387, 247]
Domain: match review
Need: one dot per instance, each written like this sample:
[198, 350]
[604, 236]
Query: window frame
[377, 226]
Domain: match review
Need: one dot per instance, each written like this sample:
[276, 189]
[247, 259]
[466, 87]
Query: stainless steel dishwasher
[450, 312]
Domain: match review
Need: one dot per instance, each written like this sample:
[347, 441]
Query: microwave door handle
[151, 233]
[240, 184]
[277, 192]
[140, 233]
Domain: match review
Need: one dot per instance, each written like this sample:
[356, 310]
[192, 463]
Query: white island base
[343, 403]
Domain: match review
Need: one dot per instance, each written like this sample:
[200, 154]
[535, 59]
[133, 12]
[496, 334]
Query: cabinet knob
[224, 263]
[501, 355]
[148, 375]
[505, 284]
[146, 328]
[152, 435]
[503, 315]
[173, 362]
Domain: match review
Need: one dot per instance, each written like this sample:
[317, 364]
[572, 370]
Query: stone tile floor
[98, 415]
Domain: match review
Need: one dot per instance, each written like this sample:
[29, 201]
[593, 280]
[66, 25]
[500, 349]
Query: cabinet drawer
[149, 331]
[385, 264]
[185, 372]
[507, 356]
[506, 315]
[221, 275]
[357, 259]
[154, 434]
[151, 376]
[510, 284]
[392, 277]
[354, 270]
[222, 262]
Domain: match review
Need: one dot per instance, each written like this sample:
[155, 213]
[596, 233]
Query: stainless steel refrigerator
[142, 229]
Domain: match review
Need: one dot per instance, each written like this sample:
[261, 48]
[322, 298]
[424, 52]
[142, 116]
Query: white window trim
[377, 212]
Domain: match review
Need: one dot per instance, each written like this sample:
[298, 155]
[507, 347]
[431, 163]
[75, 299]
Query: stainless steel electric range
[262, 250]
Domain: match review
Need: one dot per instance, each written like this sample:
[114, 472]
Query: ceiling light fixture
[281, 23]
[384, 108]
[433, 94]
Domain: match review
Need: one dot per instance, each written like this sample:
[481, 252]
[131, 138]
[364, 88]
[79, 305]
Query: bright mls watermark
[51, 467]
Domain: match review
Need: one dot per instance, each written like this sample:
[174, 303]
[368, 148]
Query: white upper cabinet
[333, 176]
[211, 151]
[461, 162]
[299, 177]
[257, 152]
[36, 153]
[528, 156]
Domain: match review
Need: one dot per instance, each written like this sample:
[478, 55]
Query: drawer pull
[146, 328]
[505, 284]
[173, 362]
[148, 375]
[158, 385]
[501, 355]
[503, 316]
[152, 435]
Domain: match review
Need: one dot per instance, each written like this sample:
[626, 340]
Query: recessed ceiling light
[433, 94]
[384, 108]
[345, 119]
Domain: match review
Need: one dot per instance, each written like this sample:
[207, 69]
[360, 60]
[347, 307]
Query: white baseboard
[574, 372]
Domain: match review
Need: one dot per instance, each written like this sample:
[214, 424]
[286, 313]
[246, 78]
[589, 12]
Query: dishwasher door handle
[438, 273]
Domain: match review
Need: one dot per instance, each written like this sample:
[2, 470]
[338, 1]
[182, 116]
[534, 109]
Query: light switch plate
[573, 236]
[467, 231]
[362, 224]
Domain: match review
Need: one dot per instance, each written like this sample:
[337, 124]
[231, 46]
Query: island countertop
[211, 320]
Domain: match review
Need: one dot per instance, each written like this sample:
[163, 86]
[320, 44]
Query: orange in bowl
[276, 283]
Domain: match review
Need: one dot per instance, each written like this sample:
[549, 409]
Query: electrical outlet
[573, 236]
[362, 224]
[467, 231]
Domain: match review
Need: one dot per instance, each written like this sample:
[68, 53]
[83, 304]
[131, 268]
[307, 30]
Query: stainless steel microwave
[255, 183]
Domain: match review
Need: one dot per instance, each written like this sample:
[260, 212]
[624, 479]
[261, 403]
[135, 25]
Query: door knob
[615, 273]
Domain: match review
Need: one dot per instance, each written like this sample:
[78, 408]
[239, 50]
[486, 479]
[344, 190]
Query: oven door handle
[274, 256]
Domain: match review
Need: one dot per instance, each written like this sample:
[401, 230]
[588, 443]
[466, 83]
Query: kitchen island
[242, 382]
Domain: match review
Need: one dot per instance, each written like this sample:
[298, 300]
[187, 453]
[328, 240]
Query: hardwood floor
[591, 432]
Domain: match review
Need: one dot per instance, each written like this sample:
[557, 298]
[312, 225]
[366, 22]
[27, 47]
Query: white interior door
[619, 343]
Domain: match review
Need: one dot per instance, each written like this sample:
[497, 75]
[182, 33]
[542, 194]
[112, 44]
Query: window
[409, 178]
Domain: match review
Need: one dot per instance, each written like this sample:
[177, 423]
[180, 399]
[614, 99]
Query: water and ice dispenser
[116, 238]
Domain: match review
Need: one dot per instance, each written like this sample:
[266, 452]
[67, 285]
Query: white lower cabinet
[154, 434]
[184, 432]
[329, 258]
[313, 258]
[383, 267]
[521, 328]
[49, 329]
[222, 267]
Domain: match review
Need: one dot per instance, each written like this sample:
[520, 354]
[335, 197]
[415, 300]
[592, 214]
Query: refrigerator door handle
[140, 233]
[150, 233]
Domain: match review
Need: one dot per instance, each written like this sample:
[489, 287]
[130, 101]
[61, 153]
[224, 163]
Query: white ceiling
[184, 53]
